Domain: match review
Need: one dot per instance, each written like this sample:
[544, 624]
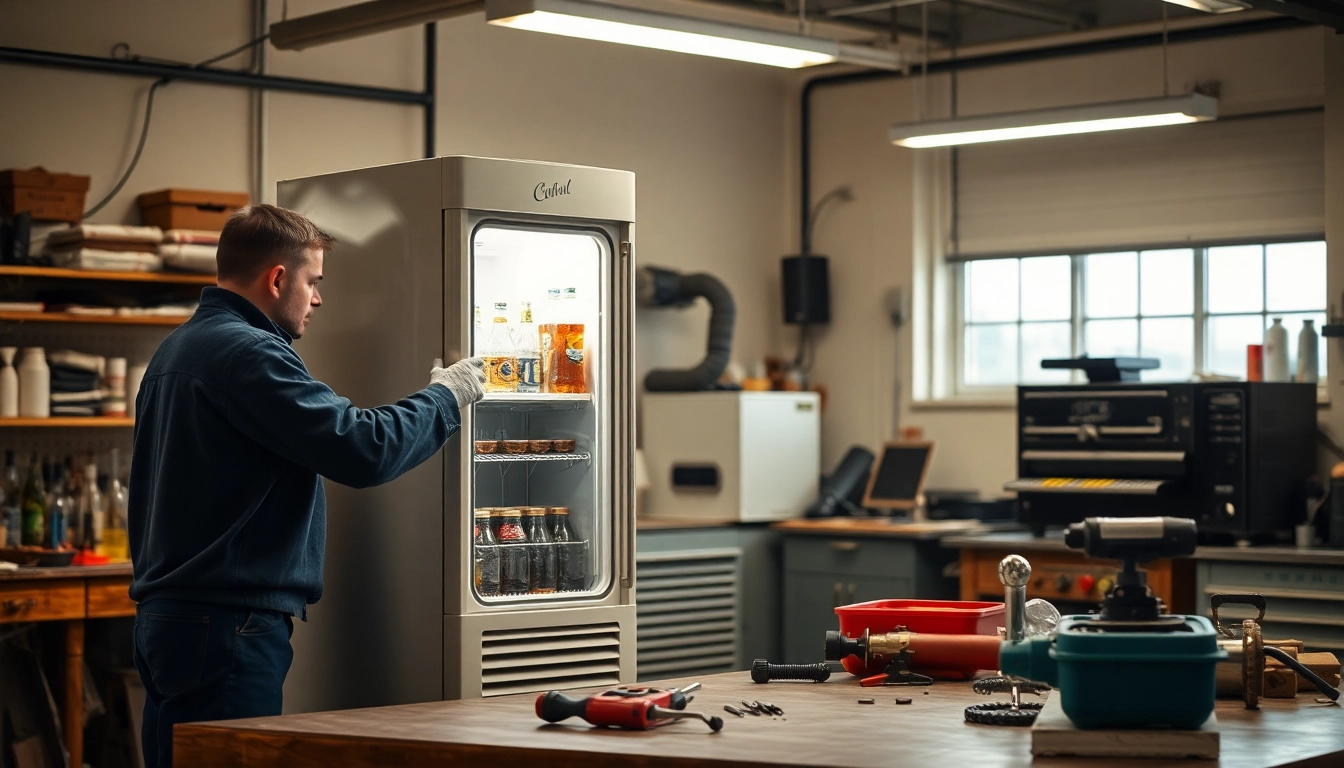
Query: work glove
[465, 379]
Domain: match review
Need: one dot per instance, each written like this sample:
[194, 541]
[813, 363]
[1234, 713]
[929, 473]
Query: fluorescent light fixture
[1091, 118]
[645, 29]
[1212, 6]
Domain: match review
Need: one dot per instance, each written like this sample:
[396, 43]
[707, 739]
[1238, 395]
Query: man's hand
[465, 379]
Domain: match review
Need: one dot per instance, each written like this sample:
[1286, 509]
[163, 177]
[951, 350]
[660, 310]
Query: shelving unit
[54, 273]
[502, 458]
[535, 397]
[66, 317]
[68, 421]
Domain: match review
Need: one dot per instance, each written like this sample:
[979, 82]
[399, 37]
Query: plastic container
[935, 617]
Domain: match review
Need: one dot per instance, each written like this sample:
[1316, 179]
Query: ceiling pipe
[1032, 11]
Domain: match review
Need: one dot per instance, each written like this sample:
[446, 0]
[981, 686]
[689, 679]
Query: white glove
[465, 379]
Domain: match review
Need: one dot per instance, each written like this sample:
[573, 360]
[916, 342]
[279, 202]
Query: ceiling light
[1091, 118]
[1212, 6]
[646, 29]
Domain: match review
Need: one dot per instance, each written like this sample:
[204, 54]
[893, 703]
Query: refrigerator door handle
[625, 367]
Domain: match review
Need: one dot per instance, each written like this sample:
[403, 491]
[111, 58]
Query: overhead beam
[1032, 11]
[367, 18]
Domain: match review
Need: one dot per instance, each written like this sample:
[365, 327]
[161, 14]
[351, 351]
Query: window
[1195, 309]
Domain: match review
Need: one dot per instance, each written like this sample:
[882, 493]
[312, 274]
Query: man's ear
[275, 277]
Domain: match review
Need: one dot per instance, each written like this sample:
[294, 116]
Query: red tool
[632, 708]
[951, 656]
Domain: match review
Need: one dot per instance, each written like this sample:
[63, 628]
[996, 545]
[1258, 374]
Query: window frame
[1200, 314]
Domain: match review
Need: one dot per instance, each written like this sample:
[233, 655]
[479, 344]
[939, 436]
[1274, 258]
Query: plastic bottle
[1276, 352]
[34, 384]
[1308, 360]
[528, 351]
[9, 384]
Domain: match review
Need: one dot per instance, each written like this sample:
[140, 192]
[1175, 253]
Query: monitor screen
[899, 477]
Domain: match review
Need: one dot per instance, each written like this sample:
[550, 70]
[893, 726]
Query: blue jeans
[201, 661]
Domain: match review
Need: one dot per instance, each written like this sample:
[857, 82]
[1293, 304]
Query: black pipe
[1139, 40]
[666, 288]
[431, 77]
[209, 75]
[1292, 663]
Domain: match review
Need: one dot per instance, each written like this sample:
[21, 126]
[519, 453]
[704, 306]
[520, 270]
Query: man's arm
[281, 406]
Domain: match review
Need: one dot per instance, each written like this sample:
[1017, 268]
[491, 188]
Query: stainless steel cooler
[420, 246]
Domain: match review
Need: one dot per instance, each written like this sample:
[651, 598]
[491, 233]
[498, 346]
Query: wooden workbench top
[1054, 542]
[824, 725]
[67, 572]
[886, 527]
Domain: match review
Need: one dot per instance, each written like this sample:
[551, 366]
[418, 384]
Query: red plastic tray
[937, 617]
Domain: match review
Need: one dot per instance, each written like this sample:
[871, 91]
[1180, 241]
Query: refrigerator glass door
[540, 464]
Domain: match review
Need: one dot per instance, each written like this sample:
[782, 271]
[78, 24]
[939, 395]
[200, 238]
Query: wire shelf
[502, 458]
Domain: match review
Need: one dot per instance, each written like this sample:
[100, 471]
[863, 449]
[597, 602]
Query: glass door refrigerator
[506, 563]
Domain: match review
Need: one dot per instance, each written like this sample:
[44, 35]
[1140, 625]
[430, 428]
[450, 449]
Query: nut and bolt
[763, 671]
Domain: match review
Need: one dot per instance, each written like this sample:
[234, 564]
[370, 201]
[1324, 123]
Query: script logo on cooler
[541, 193]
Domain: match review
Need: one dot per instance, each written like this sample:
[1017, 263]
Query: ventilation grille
[687, 607]
[546, 658]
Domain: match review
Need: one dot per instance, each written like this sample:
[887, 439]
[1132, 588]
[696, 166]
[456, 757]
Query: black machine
[1234, 456]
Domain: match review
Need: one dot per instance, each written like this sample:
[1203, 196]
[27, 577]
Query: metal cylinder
[1014, 573]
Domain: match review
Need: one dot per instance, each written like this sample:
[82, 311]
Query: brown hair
[259, 236]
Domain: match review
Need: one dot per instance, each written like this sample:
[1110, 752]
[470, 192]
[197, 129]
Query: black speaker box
[807, 290]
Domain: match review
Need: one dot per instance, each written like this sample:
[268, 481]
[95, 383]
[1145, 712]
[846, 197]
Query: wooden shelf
[171, 278]
[69, 421]
[66, 317]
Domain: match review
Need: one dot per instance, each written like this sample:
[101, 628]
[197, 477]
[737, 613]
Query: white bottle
[1276, 352]
[1308, 360]
[34, 384]
[9, 384]
[528, 349]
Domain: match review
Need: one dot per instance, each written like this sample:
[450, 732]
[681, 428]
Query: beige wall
[872, 241]
[706, 138]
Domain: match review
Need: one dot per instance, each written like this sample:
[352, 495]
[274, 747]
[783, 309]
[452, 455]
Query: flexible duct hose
[663, 287]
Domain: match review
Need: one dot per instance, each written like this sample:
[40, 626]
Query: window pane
[1111, 338]
[1236, 280]
[991, 354]
[1293, 324]
[1171, 340]
[1047, 288]
[1227, 340]
[1044, 341]
[1296, 276]
[991, 291]
[1112, 284]
[1168, 282]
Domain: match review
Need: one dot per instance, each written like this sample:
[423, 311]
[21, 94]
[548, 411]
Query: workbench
[70, 594]
[823, 725]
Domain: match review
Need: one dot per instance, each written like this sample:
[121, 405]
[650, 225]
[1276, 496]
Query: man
[227, 511]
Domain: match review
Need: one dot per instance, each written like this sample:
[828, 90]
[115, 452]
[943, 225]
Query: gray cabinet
[708, 599]
[822, 573]
[1303, 601]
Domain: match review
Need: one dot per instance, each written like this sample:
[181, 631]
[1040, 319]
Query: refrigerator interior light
[1212, 6]
[1092, 118]
[645, 29]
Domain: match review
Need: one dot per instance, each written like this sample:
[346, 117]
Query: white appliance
[747, 456]
[420, 245]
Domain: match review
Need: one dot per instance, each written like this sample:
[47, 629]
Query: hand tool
[1248, 651]
[763, 671]
[729, 708]
[903, 650]
[749, 708]
[633, 708]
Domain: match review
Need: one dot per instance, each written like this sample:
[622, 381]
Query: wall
[1333, 418]
[874, 245]
[704, 137]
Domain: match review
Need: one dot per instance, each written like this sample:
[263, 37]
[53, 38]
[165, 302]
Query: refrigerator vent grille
[687, 612]
[546, 658]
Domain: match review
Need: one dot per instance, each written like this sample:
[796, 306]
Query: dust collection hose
[1297, 666]
[659, 287]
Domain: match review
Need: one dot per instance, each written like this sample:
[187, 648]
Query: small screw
[763, 671]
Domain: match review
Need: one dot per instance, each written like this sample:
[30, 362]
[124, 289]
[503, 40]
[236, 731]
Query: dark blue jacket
[232, 438]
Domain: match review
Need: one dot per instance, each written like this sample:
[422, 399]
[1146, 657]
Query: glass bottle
[115, 540]
[91, 508]
[565, 371]
[571, 562]
[513, 561]
[33, 507]
[11, 488]
[62, 511]
[541, 568]
[528, 351]
[501, 361]
[486, 554]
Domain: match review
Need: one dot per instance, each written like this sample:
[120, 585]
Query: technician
[227, 511]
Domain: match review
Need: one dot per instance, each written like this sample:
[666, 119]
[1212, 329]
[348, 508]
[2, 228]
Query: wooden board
[67, 421]
[109, 598]
[41, 601]
[54, 273]
[65, 317]
[1054, 735]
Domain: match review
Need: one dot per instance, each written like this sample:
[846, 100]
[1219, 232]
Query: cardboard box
[47, 196]
[189, 208]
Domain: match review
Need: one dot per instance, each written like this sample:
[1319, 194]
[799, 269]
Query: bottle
[1276, 352]
[528, 351]
[33, 507]
[547, 334]
[115, 540]
[115, 384]
[486, 554]
[512, 552]
[501, 362]
[9, 384]
[571, 560]
[564, 348]
[1308, 360]
[62, 510]
[91, 508]
[11, 489]
[541, 561]
[34, 384]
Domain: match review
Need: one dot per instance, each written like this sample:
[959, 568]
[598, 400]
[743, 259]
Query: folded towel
[105, 232]
[198, 236]
[93, 258]
[79, 398]
[75, 410]
[68, 358]
[72, 385]
[189, 256]
[21, 306]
